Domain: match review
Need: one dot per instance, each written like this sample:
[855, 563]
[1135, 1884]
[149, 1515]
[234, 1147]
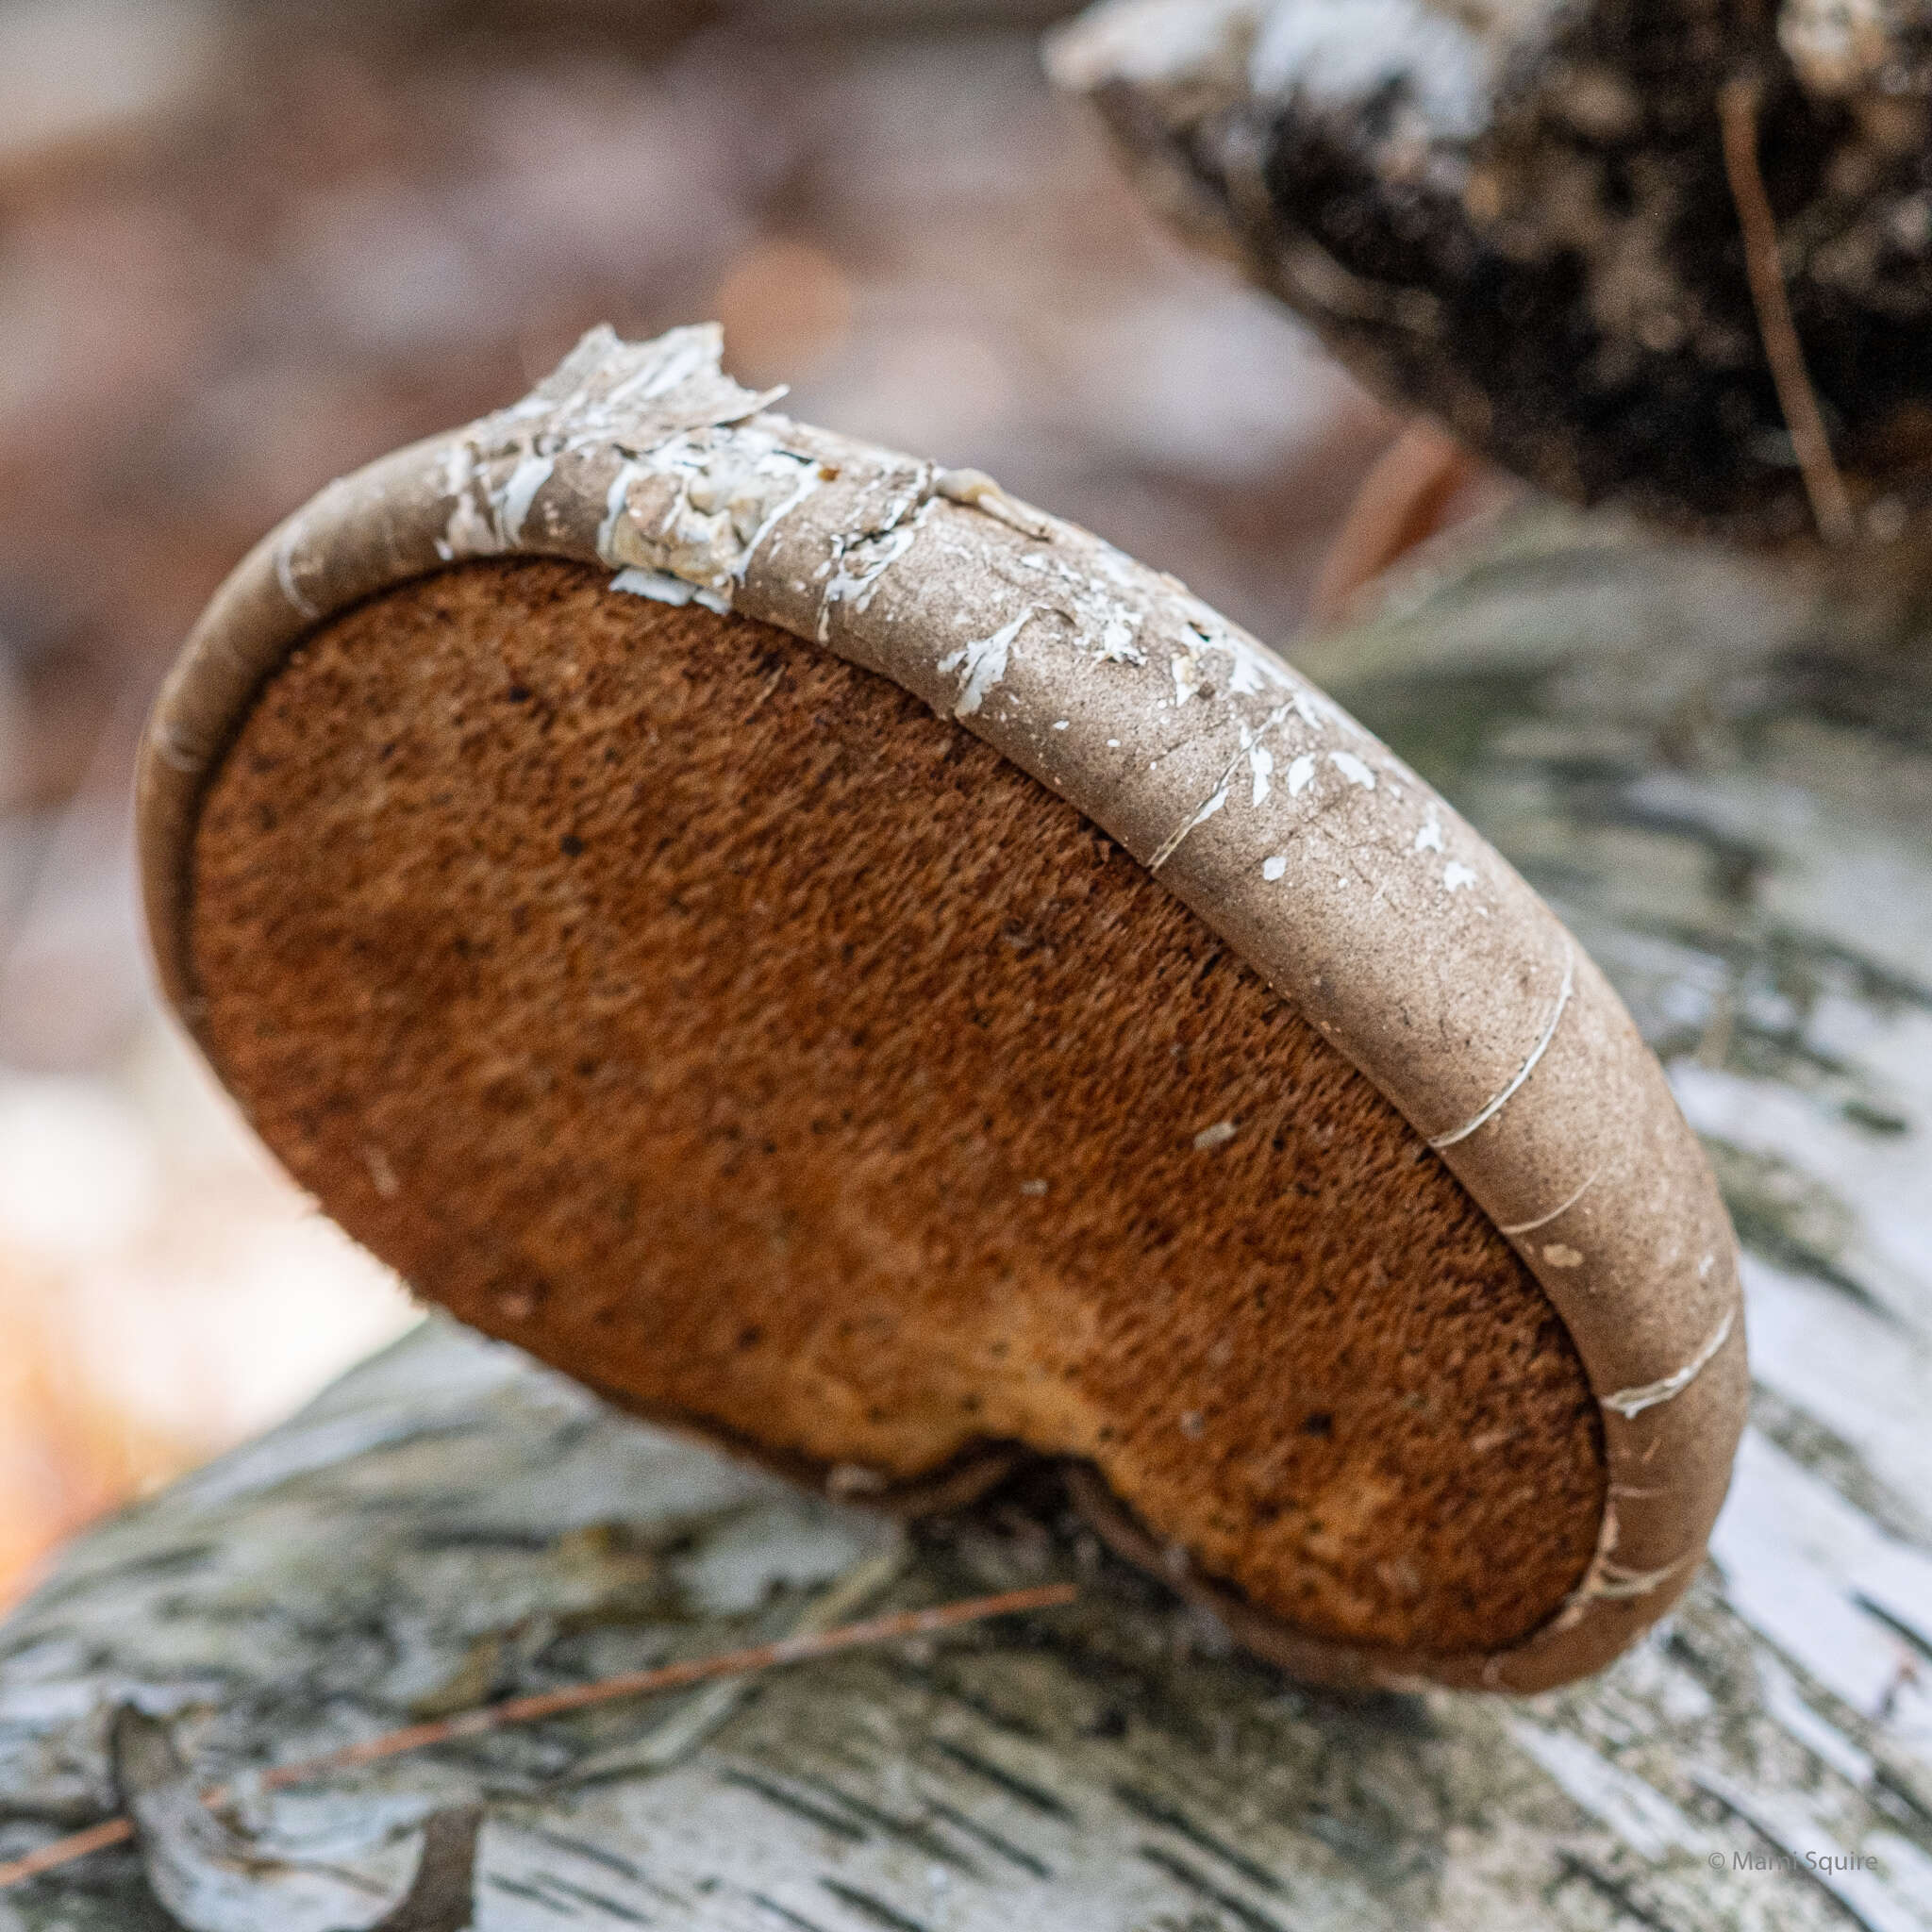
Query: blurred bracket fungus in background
[1674, 257]
[247, 244]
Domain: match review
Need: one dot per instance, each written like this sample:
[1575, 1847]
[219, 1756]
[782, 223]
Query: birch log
[1723, 778]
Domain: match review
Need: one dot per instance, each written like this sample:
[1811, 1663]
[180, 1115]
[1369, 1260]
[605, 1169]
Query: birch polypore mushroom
[1675, 255]
[834, 956]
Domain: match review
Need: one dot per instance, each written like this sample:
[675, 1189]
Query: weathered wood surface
[1726, 784]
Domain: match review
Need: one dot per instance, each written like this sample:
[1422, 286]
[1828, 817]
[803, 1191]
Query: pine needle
[546, 1704]
[1831, 506]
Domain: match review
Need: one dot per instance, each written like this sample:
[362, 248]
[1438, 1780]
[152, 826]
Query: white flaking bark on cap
[1544, 1220]
[1633, 1402]
[1492, 1107]
[982, 663]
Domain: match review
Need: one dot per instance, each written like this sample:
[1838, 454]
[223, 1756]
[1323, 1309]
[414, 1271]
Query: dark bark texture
[1519, 218]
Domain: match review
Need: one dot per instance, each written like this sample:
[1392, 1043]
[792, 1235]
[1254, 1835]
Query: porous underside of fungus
[885, 973]
[655, 990]
[1522, 218]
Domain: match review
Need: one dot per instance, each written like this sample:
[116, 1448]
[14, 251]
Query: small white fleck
[1353, 768]
[1113, 744]
[1456, 875]
[1261, 763]
[1430, 837]
[1274, 866]
[1217, 1136]
[380, 1172]
[1059, 723]
[1557, 1256]
[1301, 774]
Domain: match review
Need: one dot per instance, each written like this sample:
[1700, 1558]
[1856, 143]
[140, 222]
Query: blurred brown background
[245, 247]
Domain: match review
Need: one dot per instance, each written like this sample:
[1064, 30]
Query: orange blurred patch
[787, 310]
[67, 1451]
[165, 1293]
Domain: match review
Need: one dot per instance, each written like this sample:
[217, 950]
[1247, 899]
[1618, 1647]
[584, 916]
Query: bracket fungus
[838, 959]
[1675, 255]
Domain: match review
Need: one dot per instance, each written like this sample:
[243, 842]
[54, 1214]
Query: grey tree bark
[1723, 778]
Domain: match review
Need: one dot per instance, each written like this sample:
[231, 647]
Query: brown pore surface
[661, 992]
